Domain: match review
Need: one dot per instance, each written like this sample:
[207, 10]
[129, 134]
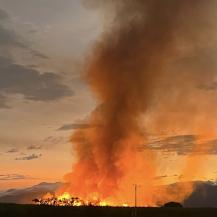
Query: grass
[15, 210]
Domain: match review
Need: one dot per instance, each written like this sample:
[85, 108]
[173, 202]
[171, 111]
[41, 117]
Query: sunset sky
[38, 37]
[44, 46]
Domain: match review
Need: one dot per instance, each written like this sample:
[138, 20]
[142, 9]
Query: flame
[64, 196]
[125, 205]
[103, 203]
[66, 199]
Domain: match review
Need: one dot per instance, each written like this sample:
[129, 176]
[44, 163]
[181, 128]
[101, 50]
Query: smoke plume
[146, 71]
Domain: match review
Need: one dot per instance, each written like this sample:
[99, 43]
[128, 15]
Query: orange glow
[68, 200]
[64, 196]
[131, 82]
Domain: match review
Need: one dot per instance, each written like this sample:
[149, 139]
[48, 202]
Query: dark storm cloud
[182, 145]
[29, 157]
[74, 126]
[33, 85]
[9, 177]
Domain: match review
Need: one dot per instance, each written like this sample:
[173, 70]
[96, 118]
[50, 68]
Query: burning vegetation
[67, 200]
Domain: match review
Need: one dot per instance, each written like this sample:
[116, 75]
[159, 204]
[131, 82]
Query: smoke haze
[149, 71]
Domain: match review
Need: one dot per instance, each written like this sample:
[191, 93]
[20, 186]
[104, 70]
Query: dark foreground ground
[13, 210]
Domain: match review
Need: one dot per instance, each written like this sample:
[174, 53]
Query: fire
[103, 203]
[131, 71]
[64, 196]
[66, 199]
[125, 205]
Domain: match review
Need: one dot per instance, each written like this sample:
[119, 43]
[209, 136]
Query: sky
[44, 45]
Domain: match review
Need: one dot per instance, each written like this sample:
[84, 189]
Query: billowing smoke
[149, 72]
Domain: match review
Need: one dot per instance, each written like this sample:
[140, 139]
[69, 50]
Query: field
[13, 210]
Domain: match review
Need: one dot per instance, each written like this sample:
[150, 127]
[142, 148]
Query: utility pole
[135, 189]
[135, 199]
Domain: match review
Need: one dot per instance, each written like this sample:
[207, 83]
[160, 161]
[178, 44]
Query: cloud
[161, 177]
[209, 147]
[165, 176]
[38, 54]
[32, 84]
[9, 39]
[3, 15]
[9, 177]
[12, 150]
[7, 36]
[182, 145]
[74, 126]
[20, 79]
[29, 157]
[3, 102]
[34, 147]
[55, 140]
